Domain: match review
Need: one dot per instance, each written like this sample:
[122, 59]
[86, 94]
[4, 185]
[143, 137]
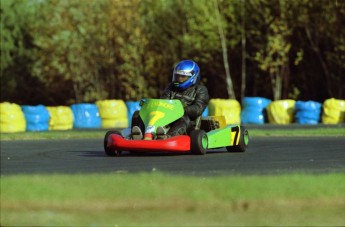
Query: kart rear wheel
[111, 151]
[242, 145]
[198, 142]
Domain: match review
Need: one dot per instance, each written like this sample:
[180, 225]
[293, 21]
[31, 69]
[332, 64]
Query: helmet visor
[180, 78]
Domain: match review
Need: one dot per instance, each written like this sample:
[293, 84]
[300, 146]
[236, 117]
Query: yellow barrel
[333, 111]
[61, 117]
[113, 113]
[281, 112]
[12, 118]
[229, 108]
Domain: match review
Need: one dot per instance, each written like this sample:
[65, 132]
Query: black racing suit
[194, 100]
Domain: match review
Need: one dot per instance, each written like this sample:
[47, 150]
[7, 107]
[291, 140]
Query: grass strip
[299, 132]
[157, 199]
[68, 134]
[88, 134]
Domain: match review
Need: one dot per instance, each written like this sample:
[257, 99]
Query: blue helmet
[186, 68]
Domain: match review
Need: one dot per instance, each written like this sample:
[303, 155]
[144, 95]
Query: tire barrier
[281, 112]
[86, 115]
[37, 118]
[12, 118]
[254, 110]
[230, 108]
[132, 106]
[117, 113]
[308, 112]
[333, 111]
[113, 113]
[61, 118]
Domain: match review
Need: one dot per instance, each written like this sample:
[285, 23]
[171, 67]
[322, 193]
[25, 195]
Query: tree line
[57, 52]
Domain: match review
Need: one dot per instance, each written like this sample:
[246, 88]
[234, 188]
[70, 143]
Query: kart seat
[207, 123]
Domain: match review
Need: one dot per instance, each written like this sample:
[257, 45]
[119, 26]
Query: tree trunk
[229, 85]
[276, 81]
[322, 61]
[243, 44]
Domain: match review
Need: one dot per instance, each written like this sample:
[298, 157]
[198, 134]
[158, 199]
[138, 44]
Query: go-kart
[206, 132]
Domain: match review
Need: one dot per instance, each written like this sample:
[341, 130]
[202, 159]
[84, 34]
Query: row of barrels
[117, 113]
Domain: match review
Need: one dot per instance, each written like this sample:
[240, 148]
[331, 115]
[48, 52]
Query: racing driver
[194, 97]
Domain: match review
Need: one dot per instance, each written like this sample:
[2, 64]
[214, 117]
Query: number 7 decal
[237, 131]
[156, 115]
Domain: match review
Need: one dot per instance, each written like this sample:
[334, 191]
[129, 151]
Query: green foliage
[67, 51]
[16, 47]
[12, 34]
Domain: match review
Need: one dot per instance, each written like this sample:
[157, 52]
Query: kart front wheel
[108, 150]
[198, 142]
[243, 143]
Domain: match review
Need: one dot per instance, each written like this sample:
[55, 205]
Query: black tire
[111, 151]
[198, 142]
[243, 144]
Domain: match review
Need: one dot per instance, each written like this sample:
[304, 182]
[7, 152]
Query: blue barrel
[132, 106]
[37, 117]
[86, 115]
[308, 112]
[254, 110]
[205, 113]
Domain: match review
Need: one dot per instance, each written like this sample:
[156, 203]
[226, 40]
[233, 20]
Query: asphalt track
[265, 155]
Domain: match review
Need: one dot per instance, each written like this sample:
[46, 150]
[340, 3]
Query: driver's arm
[200, 103]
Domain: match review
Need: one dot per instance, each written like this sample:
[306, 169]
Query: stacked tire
[254, 110]
[86, 115]
[61, 117]
[37, 118]
[333, 111]
[12, 118]
[308, 112]
[113, 113]
[229, 108]
[281, 112]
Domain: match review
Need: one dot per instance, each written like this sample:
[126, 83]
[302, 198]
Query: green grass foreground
[88, 134]
[157, 199]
